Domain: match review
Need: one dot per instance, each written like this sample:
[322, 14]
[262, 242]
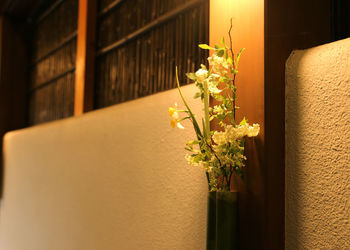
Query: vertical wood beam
[13, 67]
[269, 30]
[13, 78]
[85, 58]
[289, 25]
[247, 32]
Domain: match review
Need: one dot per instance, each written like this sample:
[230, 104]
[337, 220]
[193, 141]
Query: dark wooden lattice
[52, 62]
[140, 42]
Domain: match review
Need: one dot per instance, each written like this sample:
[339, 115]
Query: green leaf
[221, 117]
[193, 119]
[192, 142]
[197, 158]
[204, 46]
[219, 97]
[189, 149]
[206, 109]
[243, 122]
[220, 52]
[229, 60]
[204, 129]
[191, 76]
[239, 55]
[197, 95]
[223, 41]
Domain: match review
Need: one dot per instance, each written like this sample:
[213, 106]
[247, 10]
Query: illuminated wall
[115, 178]
[317, 147]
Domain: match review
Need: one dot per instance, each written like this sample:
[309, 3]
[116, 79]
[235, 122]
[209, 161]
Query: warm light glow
[247, 32]
[245, 14]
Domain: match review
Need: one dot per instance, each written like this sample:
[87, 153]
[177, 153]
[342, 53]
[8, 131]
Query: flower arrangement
[219, 152]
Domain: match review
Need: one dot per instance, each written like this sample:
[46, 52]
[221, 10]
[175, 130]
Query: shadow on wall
[317, 147]
[292, 145]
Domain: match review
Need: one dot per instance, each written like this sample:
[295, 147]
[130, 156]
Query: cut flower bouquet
[220, 152]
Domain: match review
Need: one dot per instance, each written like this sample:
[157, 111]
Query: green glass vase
[222, 227]
[211, 221]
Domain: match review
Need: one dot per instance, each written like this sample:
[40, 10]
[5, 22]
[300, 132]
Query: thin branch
[208, 179]
[230, 178]
[227, 182]
[231, 50]
[212, 150]
[234, 74]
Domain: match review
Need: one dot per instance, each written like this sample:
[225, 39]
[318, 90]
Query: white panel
[115, 178]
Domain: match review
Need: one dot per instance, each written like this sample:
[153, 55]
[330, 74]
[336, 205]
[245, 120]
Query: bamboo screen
[139, 43]
[52, 63]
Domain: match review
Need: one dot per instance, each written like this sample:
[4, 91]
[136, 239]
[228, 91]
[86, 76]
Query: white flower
[219, 138]
[241, 130]
[218, 64]
[214, 76]
[233, 133]
[245, 130]
[213, 89]
[253, 130]
[201, 75]
[190, 160]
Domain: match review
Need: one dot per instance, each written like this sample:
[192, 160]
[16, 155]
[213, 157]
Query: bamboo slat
[52, 62]
[144, 53]
[158, 21]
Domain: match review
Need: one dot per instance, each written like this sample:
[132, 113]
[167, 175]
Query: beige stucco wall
[112, 179]
[318, 147]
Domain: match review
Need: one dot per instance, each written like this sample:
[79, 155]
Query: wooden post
[12, 82]
[247, 32]
[269, 30]
[289, 25]
[85, 59]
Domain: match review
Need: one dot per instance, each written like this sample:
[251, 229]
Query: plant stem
[234, 73]
[206, 111]
[194, 121]
[231, 50]
[233, 94]
[212, 150]
[230, 178]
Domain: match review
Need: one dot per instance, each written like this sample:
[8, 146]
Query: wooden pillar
[13, 78]
[247, 32]
[85, 58]
[269, 30]
[12, 81]
[289, 25]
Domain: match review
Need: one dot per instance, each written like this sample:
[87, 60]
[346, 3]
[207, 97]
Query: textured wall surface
[318, 147]
[112, 179]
